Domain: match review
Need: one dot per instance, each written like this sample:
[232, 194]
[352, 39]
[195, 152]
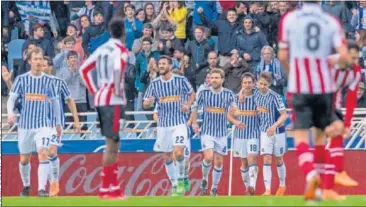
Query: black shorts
[312, 110]
[337, 115]
[110, 118]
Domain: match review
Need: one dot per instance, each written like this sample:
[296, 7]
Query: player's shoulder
[289, 15]
[274, 94]
[333, 21]
[228, 91]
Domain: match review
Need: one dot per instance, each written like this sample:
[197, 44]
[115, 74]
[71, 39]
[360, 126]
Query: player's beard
[163, 72]
[216, 85]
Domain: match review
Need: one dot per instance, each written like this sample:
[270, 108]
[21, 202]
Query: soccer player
[169, 91]
[246, 141]
[334, 172]
[63, 93]
[307, 36]
[36, 90]
[110, 61]
[215, 102]
[272, 116]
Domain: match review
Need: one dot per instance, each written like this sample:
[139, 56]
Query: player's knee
[218, 160]
[252, 159]
[178, 153]
[24, 159]
[168, 157]
[43, 154]
[267, 159]
[279, 160]
[244, 163]
[52, 151]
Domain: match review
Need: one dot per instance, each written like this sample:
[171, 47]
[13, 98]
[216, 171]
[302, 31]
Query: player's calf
[281, 171]
[217, 172]
[267, 173]
[206, 167]
[24, 169]
[244, 172]
[252, 173]
[55, 170]
[43, 170]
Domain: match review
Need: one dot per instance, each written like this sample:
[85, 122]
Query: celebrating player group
[316, 78]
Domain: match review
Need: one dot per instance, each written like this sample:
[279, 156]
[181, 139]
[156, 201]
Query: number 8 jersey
[310, 34]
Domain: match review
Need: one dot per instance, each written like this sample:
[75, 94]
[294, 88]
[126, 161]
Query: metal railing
[142, 129]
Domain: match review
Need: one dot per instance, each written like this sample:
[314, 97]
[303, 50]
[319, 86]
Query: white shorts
[169, 137]
[187, 149]
[55, 140]
[273, 145]
[243, 147]
[27, 137]
[218, 144]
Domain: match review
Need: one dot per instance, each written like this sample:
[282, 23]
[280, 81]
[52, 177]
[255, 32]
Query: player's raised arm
[339, 43]
[86, 73]
[119, 70]
[351, 99]
[283, 42]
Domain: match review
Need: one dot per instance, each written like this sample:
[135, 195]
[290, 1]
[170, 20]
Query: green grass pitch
[180, 201]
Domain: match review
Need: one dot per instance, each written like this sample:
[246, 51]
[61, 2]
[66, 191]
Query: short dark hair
[147, 39]
[49, 60]
[351, 44]
[167, 28]
[231, 9]
[116, 28]
[148, 26]
[248, 75]
[72, 53]
[238, 3]
[72, 25]
[36, 26]
[96, 12]
[200, 28]
[169, 59]
[266, 76]
[129, 6]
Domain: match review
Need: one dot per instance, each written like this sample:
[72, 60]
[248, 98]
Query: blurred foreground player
[110, 62]
[308, 35]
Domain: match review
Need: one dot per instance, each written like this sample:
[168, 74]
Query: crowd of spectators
[237, 36]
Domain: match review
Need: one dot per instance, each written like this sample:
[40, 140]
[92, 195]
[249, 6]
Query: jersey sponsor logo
[247, 113]
[35, 97]
[215, 110]
[167, 99]
[262, 109]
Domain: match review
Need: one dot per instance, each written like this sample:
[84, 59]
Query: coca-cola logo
[147, 178]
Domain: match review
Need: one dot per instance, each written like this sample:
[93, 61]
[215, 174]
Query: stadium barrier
[142, 172]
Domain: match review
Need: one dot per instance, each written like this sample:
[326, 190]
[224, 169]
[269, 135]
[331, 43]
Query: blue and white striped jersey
[250, 118]
[215, 108]
[170, 95]
[35, 93]
[63, 92]
[269, 107]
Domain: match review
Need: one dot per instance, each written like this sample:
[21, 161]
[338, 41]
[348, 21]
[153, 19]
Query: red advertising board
[144, 174]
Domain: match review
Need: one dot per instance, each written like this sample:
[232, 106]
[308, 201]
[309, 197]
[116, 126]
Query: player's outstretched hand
[196, 128]
[58, 130]
[239, 124]
[11, 119]
[150, 100]
[271, 130]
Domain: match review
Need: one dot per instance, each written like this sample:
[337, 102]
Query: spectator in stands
[197, 50]
[163, 20]
[178, 57]
[359, 15]
[142, 63]
[276, 10]
[147, 31]
[360, 37]
[206, 8]
[61, 14]
[133, 26]
[130, 90]
[361, 97]
[84, 23]
[206, 84]
[88, 10]
[168, 42]
[6, 79]
[269, 63]
[233, 72]
[60, 60]
[212, 64]
[337, 9]
[227, 31]
[263, 19]
[140, 15]
[38, 38]
[24, 66]
[72, 32]
[150, 14]
[250, 43]
[96, 34]
[150, 74]
[178, 13]
[70, 74]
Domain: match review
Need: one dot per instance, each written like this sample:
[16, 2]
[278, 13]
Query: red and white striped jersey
[110, 61]
[310, 34]
[347, 78]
